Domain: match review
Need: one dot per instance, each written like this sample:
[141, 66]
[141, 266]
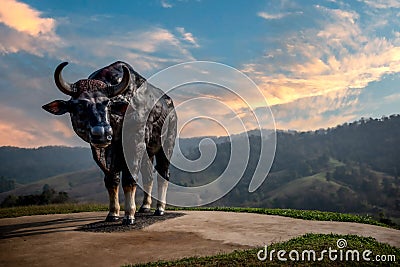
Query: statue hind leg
[162, 169]
[147, 178]
[163, 157]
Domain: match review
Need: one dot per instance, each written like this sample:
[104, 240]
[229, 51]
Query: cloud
[392, 98]
[309, 113]
[33, 132]
[269, 16]
[316, 122]
[312, 113]
[151, 47]
[316, 61]
[23, 18]
[165, 4]
[382, 4]
[13, 42]
[150, 41]
[64, 130]
[319, 70]
[142, 48]
[147, 49]
[187, 36]
[24, 29]
[275, 16]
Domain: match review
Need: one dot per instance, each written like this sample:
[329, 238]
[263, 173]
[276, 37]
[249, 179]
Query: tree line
[48, 196]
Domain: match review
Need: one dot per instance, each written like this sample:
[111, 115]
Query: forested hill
[371, 142]
[353, 167]
[25, 165]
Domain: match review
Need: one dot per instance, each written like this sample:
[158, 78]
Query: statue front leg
[129, 186]
[129, 179]
[105, 160]
[112, 184]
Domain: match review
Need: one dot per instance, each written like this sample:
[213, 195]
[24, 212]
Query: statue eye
[82, 105]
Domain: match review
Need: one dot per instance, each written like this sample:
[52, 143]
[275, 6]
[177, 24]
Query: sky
[317, 63]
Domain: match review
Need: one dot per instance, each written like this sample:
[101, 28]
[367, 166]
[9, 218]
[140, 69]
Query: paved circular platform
[53, 240]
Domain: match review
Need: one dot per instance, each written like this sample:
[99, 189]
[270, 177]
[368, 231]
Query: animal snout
[97, 131]
[101, 132]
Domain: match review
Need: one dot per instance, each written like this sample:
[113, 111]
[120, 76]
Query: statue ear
[119, 107]
[57, 107]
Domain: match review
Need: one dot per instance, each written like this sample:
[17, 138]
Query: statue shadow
[87, 223]
[44, 227]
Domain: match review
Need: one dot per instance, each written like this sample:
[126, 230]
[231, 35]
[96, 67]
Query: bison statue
[98, 107]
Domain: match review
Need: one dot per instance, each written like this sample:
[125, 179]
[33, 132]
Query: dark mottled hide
[89, 86]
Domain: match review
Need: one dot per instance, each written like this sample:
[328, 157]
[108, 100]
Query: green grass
[316, 242]
[299, 214]
[50, 209]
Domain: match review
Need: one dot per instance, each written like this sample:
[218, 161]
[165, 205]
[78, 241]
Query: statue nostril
[108, 130]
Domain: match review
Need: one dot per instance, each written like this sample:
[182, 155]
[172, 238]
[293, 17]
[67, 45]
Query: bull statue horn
[64, 87]
[114, 90]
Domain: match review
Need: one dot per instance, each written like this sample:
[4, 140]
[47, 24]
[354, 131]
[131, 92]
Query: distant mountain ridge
[354, 167]
[25, 165]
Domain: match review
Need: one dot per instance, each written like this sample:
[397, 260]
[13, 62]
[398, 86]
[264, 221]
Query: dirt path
[52, 240]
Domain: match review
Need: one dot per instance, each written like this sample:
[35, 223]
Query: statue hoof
[128, 221]
[144, 210]
[158, 212]
[112, 218]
